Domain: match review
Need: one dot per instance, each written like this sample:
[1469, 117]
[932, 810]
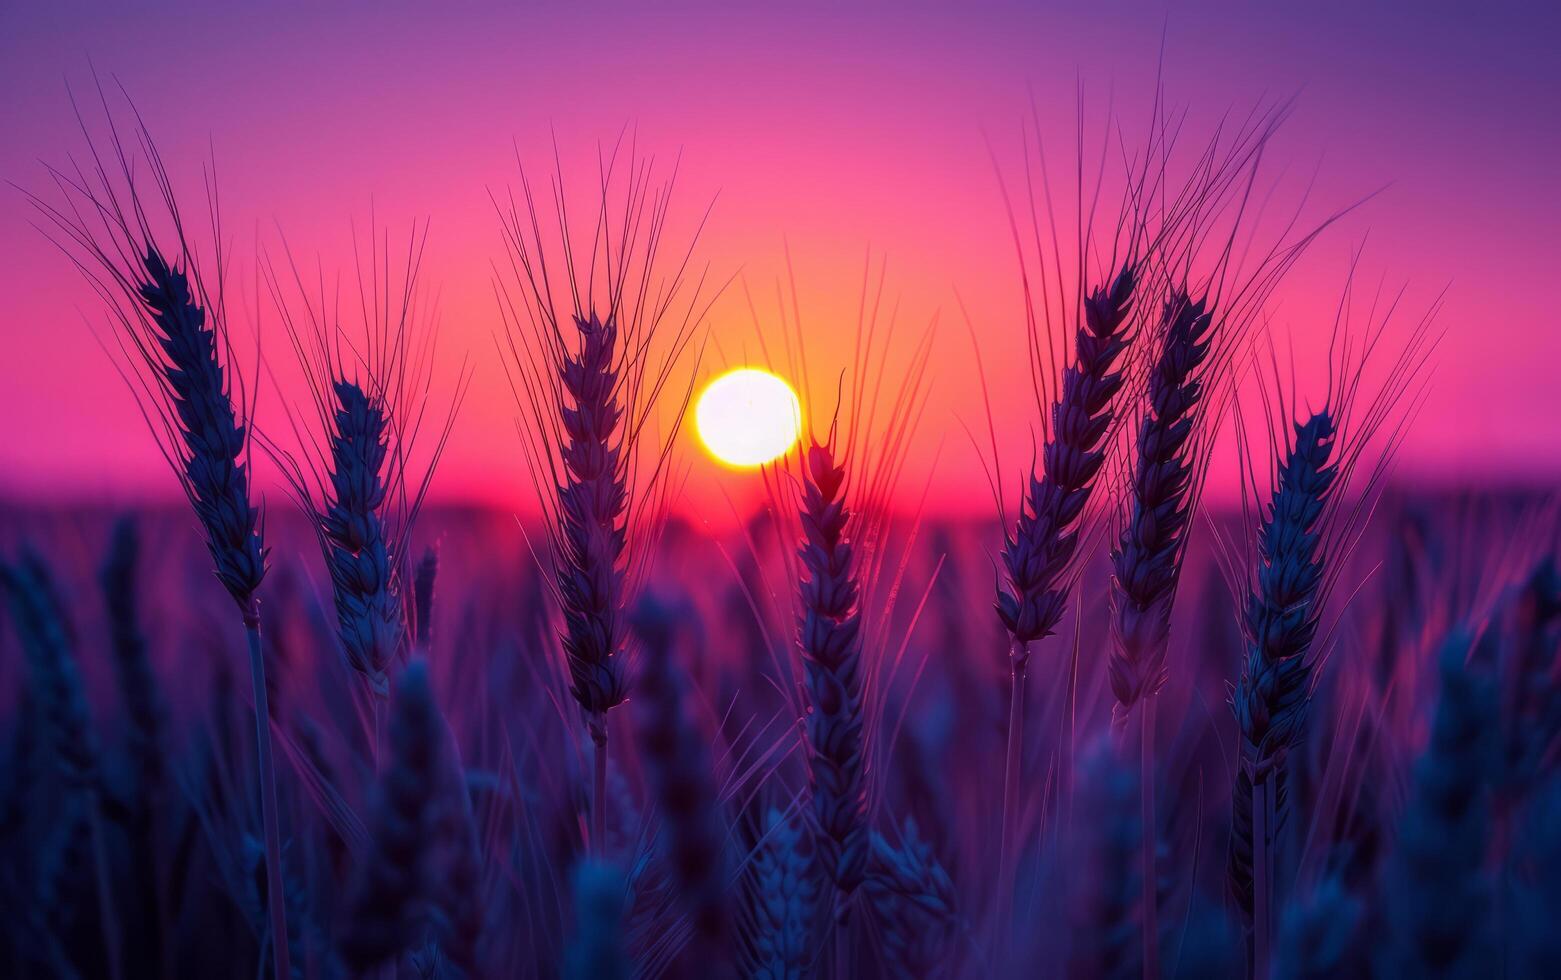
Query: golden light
[748, 417]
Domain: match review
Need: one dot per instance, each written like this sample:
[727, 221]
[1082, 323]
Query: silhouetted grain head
[593, 517]
[1439, 923]
[1038, 555]
[840, 655]
[678, 765]
[385, 902]
[830, 640]
[913, 901]
[1280, 621]
[40, 619]
[172, 330]
[354, 471]
[1326, 474]
[368, 606]
[144, 704]
[781, 902]
[1166, 209]
[595, 330]
[1147, 561]
[214, 473]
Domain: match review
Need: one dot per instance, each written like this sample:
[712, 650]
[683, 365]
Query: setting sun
[748, 417]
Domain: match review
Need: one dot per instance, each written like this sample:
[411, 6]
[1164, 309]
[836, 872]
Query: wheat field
[1115, 728]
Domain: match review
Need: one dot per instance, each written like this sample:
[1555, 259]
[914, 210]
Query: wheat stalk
[781, 902]
[1441, 924]
[586, 371]
[368, 608]
[913, 899]
[1039, 553]
[1281, 620]
[830, 640]
[1304, 535]
[1147, 561]
[39, 611]
[678, 764]
[393, 880]
[148, 716]
[172, 327]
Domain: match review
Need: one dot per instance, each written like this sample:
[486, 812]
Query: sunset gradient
[830, 141]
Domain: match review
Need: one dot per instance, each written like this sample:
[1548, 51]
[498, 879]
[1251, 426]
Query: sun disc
[748, 417]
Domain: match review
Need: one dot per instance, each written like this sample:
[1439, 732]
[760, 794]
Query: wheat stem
[111, 945]
[1011, 771]
[842, 938]
[598, 727]
[378, 703]
[268, 809]
[1149, 878]
[1262, 875]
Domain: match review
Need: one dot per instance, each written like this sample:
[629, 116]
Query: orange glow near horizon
[821, 134]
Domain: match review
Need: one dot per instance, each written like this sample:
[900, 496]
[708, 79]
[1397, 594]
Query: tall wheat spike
[1147, 561]
[1281, 620]
[393, 882]
[147, 712]
[830, 638]
[38, 610]
[589, 353]
[679, 766]
[781, 902]
[173, 330]
[1038, 554]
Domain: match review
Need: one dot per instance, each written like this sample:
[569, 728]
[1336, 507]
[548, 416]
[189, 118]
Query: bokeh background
[820, 131]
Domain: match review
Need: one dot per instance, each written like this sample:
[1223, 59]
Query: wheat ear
[392, 884]
[781, 902]
[1147, 561]
[830, 639]
[1039, 553]
[914, 901]
[39, 611]
[678, 763]
[148, 716]
[172, 325]
[590, 375]
[1440, 925]
[1281, 620]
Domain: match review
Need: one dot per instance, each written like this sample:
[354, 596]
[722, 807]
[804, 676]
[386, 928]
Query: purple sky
[827, 130]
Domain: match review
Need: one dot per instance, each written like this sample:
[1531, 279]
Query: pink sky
[821, 131]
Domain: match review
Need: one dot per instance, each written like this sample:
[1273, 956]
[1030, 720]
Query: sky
[823, 134]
